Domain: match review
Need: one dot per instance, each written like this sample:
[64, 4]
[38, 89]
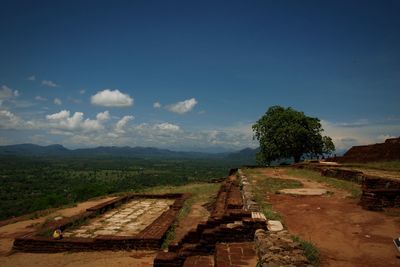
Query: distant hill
[245, 156]
[33, 150]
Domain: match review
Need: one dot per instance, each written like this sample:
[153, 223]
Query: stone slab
[274, 226]
[258, 215]
[304, 191]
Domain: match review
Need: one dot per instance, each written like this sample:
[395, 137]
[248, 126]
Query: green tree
[285, 132]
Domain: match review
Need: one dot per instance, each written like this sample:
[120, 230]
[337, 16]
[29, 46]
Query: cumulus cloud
[76, 129]
[183, 106]
[40, 98]
[156, 105]
[359, 132]
[31, 78]
[8, 93]
[63, 114]
[103, 116]
[167, 127]
[57, 101]
[111, 98]
[66, 123]
[9, 121]
[120, 125]
[49, 83]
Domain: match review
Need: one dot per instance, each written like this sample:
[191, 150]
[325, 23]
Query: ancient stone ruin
[387, 151]
[235, 234]
[128, 222]
[229, 238]
[377, 192]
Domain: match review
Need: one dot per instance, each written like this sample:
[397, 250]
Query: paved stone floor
[235, 254]
[126, 220]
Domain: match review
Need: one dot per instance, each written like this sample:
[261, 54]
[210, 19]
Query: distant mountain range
[247, 155]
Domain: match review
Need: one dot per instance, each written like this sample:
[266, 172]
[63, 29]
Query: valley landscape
[199, 133]
[330, 229]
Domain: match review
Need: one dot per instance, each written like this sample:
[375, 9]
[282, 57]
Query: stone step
[199, 261]
[235, 254]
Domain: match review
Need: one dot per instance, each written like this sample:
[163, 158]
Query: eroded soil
[345, 234]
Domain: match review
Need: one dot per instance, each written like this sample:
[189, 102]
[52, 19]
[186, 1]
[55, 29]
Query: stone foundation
[229, 222]
[377, 192]
[151, 237]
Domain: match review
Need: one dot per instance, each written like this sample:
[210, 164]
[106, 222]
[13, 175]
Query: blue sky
[195, 75]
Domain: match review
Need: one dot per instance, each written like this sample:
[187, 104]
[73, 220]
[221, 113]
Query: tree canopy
[285, 132]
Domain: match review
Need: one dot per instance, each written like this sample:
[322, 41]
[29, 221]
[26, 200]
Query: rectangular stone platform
[128, 222]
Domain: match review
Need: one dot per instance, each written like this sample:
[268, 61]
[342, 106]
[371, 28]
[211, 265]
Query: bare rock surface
[304, 191]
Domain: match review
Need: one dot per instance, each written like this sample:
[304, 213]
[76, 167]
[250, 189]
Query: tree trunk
[297, 158]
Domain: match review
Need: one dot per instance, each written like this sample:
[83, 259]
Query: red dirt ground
[345, 234]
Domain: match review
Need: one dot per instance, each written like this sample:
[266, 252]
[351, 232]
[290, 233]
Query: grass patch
[263, 184]
[350, 187]
[310, 251]
[169, 237]
[201, 192]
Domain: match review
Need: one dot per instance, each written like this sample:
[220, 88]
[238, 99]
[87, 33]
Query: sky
[195, 75]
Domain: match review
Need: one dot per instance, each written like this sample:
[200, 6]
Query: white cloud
[8, 93]
[167, 127]
[63, 114]
[40, 98]
[9, 121]
[49, 83]
[31, 78]
[82, 91]
[63, 123]
[120, 125]
[57, 101]
[80, 132]
[103, 116]
[111, 98]
[156, 105]
[183, 106]
[360, 132]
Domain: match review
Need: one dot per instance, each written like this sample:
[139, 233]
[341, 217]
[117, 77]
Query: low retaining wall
[228, 222]
[149, 238]
[334, 172]
[377, 192]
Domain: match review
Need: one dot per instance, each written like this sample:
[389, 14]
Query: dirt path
[103, 258]
[346, 234]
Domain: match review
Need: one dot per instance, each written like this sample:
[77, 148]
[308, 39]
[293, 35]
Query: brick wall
[150, 238]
